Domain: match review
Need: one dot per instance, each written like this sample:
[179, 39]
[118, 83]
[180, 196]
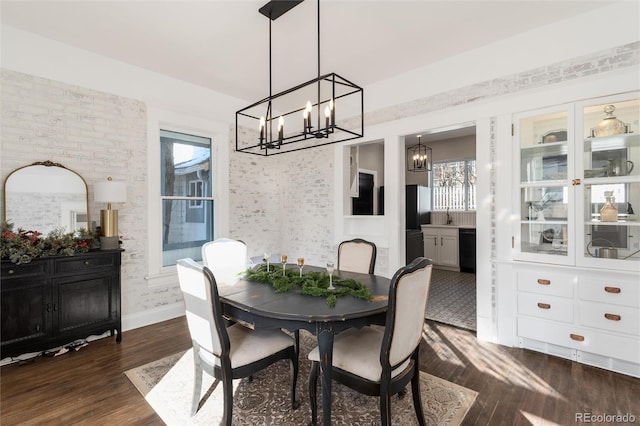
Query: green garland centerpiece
[311, 283]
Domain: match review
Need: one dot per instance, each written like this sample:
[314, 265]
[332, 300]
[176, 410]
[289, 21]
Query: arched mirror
[44, 196]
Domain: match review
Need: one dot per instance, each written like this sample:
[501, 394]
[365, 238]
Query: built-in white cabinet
[576, 234]
[578, 184]
[441, 246]
[587, 316]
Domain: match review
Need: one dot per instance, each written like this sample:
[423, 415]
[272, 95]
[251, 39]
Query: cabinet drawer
[543, 282]
[544, 306]
[600, 343]
[11, 270]
[84, 264]
[448, 232]
[621, 319]
[610, 291]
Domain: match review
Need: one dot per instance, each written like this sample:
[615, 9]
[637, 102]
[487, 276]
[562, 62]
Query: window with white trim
[454, 185]
[185, 191]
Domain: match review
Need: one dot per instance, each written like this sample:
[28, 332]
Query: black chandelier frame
[329, 89]
[419, 157]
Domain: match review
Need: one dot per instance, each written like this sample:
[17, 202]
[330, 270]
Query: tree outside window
[454, 185]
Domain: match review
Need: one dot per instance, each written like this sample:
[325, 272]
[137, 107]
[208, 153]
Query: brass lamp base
[109, 223]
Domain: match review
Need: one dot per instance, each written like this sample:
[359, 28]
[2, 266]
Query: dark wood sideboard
[54, 301]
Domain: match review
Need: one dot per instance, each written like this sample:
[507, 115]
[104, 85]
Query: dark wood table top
[261, 299]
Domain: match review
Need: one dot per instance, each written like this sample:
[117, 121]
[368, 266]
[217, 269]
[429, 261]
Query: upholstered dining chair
[227, 353]
[382, 363]
[357, 255]
[226, 258]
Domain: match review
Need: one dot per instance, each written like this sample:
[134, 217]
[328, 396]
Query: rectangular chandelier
[323, 111]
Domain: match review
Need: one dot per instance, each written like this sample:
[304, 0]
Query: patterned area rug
[452, 299]
[167, 385]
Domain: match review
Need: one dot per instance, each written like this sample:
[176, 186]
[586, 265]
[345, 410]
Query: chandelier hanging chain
[318, 65]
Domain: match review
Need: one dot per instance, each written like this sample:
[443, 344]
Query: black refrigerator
[417, 212]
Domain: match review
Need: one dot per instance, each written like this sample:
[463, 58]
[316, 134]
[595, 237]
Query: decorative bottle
[609, 211]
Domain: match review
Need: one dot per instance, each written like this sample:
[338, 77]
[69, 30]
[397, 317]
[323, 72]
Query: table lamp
[109, 191]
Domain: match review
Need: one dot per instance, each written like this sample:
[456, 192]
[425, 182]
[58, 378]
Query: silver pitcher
[619, 167]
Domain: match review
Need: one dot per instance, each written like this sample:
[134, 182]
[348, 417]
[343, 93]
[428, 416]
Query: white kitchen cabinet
[441, 246]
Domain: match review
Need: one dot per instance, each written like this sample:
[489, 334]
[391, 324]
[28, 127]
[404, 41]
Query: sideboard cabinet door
[57, 300]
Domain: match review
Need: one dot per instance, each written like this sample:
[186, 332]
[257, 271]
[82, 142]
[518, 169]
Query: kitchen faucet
[449, 220]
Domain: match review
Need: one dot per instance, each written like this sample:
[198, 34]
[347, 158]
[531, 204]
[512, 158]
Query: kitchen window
[454, 185]
[185, 192]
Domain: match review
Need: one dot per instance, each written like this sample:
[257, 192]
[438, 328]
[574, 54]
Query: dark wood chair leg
[227, 390]
[385, 407]
[313, 386]
[294, 379]
[417, 400]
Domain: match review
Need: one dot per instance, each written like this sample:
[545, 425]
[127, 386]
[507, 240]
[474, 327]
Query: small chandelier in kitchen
[419, 157]
[322, 111]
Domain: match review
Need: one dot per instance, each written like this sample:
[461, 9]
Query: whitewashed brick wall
[283, 204]
[97, 135]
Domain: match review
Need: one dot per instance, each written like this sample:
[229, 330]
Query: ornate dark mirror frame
[53, 202]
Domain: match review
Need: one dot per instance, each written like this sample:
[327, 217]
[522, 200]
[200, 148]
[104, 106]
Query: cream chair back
[199, 296]
[357, 255]
[410, 305]
[226, 258]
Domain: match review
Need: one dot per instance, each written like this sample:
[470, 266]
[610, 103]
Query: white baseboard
[152, 316]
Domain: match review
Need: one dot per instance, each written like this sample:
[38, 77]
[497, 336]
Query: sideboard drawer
[621, 319]
[547, 307]
[11, 270]
[84, 264]
[615, 291]
[544, 282]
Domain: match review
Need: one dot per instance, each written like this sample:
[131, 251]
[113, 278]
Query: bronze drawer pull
[544, 282]
[577, 337]
[615, 290]
[613, 317]
[544, 306]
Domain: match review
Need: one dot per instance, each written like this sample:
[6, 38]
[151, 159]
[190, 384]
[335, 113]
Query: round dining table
[258, 305]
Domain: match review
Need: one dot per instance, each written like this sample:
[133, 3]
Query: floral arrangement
[23, 246]
[310, 283]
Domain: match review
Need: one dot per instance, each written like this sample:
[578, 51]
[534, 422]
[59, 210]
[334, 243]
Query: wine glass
[283, 260]
[301, 265]
[266, 257]
[330, 269]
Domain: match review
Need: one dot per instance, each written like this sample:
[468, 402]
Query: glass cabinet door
[610, 203]
[545, 168]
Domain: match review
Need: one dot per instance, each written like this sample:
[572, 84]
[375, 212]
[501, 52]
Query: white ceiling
[223, 44]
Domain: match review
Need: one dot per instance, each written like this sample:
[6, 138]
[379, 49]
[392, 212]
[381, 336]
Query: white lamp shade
[110, 191]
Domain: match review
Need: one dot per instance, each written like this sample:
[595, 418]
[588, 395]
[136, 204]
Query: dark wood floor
[515, 386]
